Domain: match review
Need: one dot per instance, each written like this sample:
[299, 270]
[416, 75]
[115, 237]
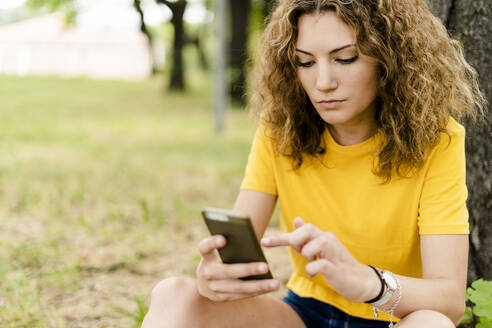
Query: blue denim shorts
[317, 314]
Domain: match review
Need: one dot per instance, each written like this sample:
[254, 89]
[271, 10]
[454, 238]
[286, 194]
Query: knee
[426, 318]
[168, 302]
[173, 291]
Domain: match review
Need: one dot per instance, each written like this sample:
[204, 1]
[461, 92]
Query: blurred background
[119, 121]
[109, 150]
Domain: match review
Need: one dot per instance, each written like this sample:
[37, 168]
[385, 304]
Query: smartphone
[242, 245]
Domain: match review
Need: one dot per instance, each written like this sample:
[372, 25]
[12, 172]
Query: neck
[351, 135]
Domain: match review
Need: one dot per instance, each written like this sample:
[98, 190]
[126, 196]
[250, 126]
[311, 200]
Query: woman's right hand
[220, 282]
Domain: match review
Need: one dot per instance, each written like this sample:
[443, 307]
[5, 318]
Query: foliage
[51, 5]
[139, 313]
[480, 294]
[68, 7]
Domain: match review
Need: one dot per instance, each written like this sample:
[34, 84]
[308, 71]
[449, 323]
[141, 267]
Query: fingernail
[218, 241]
[262, 268]
[273, 284]
[266, 241]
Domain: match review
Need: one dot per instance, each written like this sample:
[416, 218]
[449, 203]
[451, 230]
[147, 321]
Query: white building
[45, 46]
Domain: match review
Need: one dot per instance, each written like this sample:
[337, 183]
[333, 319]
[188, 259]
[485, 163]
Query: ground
[93, 306]
[101, 187]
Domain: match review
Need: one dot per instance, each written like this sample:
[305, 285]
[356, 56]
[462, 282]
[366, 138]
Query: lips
[331, 103]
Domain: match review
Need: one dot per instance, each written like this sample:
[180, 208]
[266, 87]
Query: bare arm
[259, 206]
[443, 287]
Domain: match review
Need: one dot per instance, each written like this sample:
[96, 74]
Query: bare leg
[425, 319]
[176, 303]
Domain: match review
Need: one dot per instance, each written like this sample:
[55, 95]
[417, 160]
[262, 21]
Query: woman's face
[340, 82]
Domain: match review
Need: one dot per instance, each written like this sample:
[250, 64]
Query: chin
[333, 119]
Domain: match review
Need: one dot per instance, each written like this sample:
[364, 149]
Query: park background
[102, 177]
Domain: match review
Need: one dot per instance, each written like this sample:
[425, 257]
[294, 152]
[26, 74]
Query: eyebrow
[331, 52]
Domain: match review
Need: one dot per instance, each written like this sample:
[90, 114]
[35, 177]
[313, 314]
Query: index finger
[208, 245]
[296, 239]
[279, 240]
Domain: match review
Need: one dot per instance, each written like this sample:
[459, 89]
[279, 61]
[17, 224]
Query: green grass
[94, 175]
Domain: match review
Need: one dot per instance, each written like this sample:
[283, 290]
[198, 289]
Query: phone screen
[242, 245]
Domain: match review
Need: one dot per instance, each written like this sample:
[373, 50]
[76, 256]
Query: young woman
[358, 140]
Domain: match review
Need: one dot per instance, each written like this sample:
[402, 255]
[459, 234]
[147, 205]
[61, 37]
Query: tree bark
[469, 21]
[177, 81]
[240, 12]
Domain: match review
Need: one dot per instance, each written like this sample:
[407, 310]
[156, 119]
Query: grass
[96, 177]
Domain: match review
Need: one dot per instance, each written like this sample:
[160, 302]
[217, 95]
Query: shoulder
[265, 136]
[455, 128]
[452, 137]
[450, 151]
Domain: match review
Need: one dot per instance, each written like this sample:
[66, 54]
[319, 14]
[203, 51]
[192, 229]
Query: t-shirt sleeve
[442, 207]
[259, 173]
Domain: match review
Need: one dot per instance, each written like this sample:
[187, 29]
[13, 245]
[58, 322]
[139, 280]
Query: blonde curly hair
[424, 80]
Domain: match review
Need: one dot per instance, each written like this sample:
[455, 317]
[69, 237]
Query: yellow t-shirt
[379, 223]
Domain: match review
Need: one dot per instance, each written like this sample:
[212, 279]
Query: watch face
[390, 281]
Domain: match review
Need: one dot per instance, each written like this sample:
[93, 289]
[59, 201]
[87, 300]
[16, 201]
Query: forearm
[442, 295]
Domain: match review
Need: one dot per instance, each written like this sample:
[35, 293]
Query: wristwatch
[388, 288]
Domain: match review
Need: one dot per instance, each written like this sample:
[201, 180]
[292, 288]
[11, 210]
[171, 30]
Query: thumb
[298, 222]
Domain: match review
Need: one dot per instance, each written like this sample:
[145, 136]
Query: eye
[306, 64]
[347, 61]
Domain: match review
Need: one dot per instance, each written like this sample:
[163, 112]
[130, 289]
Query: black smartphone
[242, 245]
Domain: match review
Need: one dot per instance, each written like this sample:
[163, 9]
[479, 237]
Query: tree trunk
[177, 71]
[177, 74]
[143, 28]
[240, 12]
[469, 21]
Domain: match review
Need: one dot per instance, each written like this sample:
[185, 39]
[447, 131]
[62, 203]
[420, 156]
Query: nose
[326, 78]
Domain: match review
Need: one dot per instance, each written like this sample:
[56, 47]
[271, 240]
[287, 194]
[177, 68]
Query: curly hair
[423, 80]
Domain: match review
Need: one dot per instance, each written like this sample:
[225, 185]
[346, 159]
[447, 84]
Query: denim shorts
[317, 314]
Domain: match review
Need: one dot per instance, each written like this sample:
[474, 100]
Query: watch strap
[386, 297]
[378, 297]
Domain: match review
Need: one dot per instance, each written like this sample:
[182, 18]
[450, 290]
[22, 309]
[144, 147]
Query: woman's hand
[328, 256]
[220, 282]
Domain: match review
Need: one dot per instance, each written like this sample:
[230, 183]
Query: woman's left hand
[328, 256]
